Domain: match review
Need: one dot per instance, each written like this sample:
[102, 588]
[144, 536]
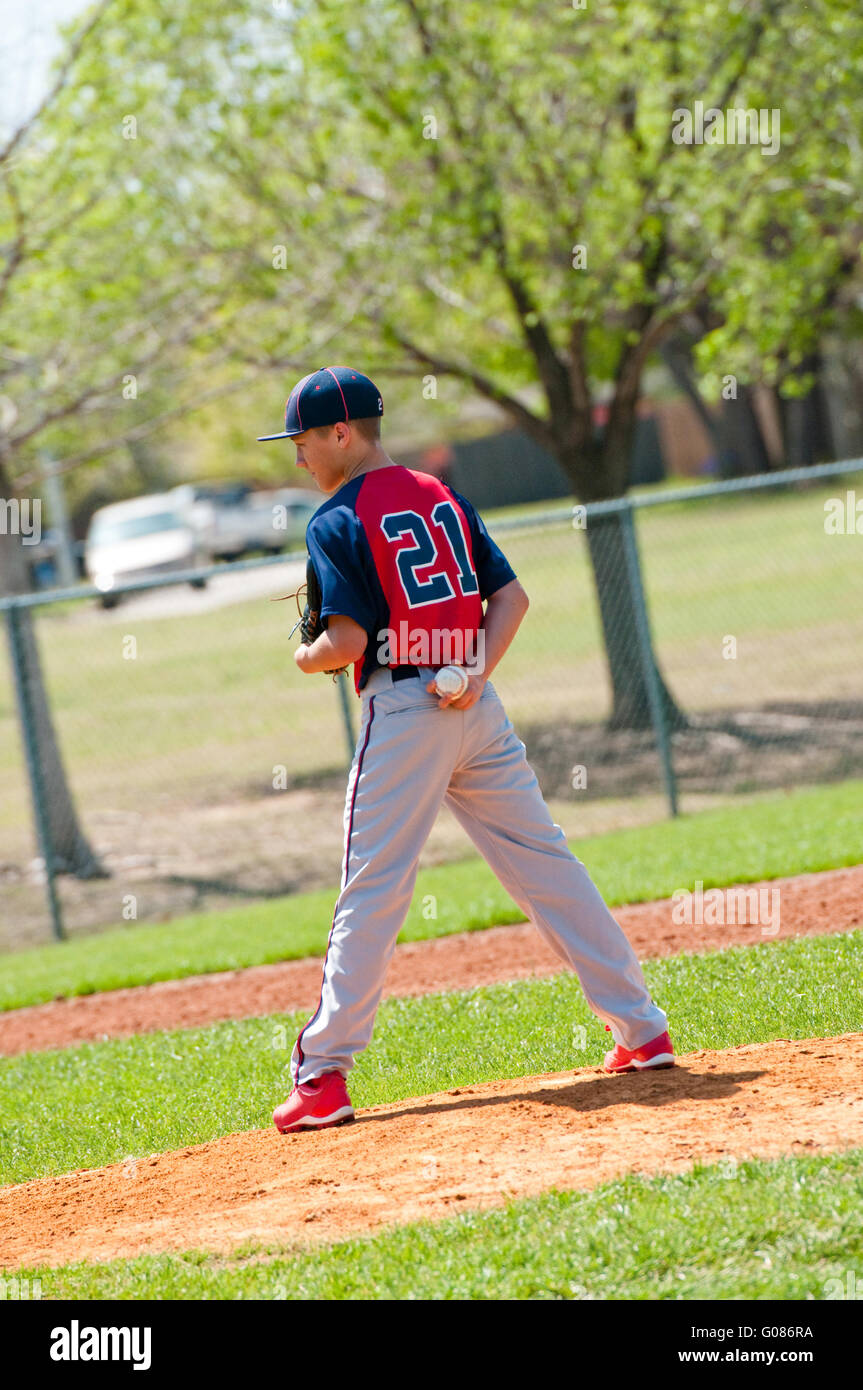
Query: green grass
[799, 832]
[758, 1230]
[102, 1102]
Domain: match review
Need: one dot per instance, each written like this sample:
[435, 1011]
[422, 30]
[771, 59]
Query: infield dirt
[811, 904]
[431, 1156]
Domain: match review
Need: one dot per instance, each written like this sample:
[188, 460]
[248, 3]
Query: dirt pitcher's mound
[435, 1155]
[810, 905]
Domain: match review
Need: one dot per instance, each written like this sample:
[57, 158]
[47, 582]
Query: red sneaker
[659, 1052]
[315, 1104]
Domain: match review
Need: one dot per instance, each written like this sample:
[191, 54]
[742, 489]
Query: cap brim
[285, 434]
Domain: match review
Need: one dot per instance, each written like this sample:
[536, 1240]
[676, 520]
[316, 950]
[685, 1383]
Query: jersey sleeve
[337, 546]
[493, 570]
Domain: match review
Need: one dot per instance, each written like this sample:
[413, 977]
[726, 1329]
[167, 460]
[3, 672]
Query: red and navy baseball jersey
[409, 560]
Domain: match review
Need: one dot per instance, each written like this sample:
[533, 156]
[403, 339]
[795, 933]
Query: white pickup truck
[234, 521]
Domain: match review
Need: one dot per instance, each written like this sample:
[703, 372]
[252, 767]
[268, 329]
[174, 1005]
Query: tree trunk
[676, 353]
[806, 430]
[744, 451]
[594, 471]
[735, 430]
[72, 853]
[630, 699]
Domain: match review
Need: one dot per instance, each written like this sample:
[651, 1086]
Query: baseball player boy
[405, 566]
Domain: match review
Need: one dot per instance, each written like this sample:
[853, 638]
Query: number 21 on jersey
[427, 550]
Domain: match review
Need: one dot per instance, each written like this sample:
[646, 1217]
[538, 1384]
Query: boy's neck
[374, 459]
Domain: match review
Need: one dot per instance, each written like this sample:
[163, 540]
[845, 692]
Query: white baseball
[451, 680]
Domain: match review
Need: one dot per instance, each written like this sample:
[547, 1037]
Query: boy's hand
[475, 687]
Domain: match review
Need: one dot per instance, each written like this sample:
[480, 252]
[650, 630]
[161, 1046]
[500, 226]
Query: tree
[112, 281]
[20, 244]
[517, 216]
[491, 195]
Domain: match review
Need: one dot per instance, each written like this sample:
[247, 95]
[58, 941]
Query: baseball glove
[310, 624]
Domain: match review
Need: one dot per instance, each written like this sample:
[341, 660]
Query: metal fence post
[30, 740]
[648, 665]
[350, 736]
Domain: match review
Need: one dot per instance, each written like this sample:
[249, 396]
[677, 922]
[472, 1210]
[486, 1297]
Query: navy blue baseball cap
[327, 396]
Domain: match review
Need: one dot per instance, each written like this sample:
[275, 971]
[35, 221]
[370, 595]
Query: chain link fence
[681, 648]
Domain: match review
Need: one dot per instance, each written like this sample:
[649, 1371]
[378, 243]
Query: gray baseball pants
[411, 757]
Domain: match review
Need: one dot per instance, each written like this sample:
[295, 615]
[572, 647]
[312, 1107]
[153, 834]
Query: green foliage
[428, 170]
[120, 257]
[553, 127]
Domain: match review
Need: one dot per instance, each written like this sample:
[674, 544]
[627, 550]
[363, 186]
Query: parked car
[280, 517]
[233, 521]
[146, 536]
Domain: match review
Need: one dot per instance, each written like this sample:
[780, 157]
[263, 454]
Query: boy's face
[324, 456]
